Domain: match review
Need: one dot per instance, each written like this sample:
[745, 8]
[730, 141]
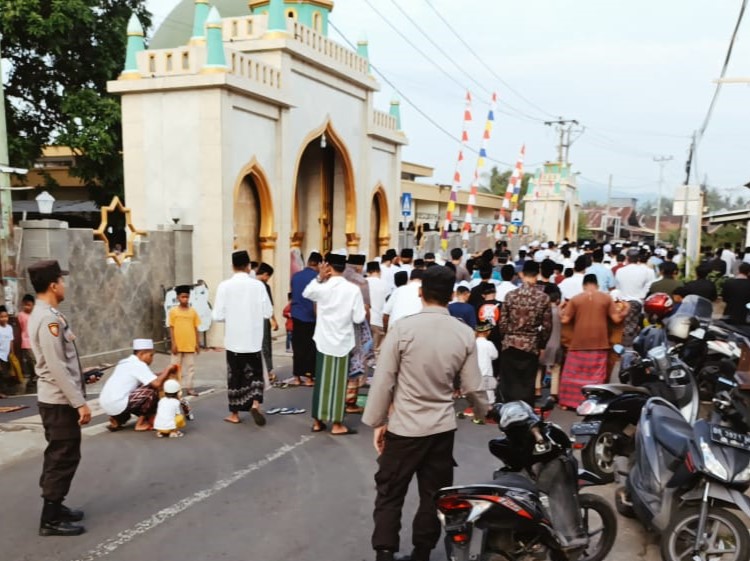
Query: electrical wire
[414, 106]
[727, 58]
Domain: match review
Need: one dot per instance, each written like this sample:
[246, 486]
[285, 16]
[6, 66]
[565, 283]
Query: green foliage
[61, 55]
[499, 182]
[583, 233]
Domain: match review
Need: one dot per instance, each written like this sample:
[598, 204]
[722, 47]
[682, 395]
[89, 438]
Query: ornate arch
[266, 237]
[334, 138]
[379, 198]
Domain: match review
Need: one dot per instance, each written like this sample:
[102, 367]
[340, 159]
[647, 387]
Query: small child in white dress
[169, 412]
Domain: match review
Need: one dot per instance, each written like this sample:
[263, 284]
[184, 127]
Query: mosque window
[152, 63]
[169, 62]
[291, 13]
[317, 22]
[185, 61]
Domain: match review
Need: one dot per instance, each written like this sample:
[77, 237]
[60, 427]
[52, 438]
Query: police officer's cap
[44, 273]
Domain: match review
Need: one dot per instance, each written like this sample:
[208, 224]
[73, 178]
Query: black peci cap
[357, 259]
[335, 259]
[240, 259]
[373, 267]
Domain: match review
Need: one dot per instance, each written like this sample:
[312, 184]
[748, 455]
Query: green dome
[177, 28]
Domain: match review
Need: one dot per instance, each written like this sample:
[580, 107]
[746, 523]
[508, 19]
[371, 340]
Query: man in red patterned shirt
[526, 324]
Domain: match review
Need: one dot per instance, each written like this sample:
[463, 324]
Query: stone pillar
[183, 254]
[42, 240]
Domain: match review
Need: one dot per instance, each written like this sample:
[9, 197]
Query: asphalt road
[233, 492]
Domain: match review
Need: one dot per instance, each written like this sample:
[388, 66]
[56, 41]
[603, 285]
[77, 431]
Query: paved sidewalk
[21, 432]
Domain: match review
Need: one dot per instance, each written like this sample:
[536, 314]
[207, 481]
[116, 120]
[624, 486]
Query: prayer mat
[12, 408]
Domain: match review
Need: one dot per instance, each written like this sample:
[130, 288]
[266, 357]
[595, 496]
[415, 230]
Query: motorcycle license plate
[586, 429]
[728, 437]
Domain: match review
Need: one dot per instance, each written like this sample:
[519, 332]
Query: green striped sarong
[329, 394]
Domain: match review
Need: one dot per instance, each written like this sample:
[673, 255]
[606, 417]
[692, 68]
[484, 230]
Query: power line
[727, 58]
[483, 63]
[418, 109]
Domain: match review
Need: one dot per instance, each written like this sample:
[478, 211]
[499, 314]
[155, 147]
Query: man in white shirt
[506, 273]
[404, 301]
[133, 389]
[378, 293]
[729, 257]
[405, 260]
[242, 303]
[339, 306]
[573, 286]
[633, 281]
[388, 270]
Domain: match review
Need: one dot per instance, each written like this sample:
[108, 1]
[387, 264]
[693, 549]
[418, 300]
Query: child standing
[486, 353]
[169, 413]
[6, 344]
[287, 313]
[551, 359]
[183, 328]
[27, 356]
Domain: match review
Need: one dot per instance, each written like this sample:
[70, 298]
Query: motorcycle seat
[671, 430]
[511, 479]
[614, 389]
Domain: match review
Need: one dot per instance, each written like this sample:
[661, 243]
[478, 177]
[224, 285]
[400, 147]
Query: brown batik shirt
[526, 319]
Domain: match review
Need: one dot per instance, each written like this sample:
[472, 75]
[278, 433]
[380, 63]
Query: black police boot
[383, 555]
[52, 523]
[70, 515]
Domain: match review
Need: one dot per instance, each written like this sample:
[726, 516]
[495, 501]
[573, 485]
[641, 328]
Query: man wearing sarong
[586, 362]
[633, 282]
[526, 324]
[133, 389]
[339, 307]
[242, 303]
[362, 352]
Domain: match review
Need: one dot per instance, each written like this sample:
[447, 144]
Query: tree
[61, 55]
[498, 182]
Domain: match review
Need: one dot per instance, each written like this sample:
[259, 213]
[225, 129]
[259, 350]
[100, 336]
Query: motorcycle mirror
[618, 350]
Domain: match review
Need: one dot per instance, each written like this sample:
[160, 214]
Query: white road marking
[165, 514]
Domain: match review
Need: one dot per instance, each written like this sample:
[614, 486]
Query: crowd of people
[419, 331]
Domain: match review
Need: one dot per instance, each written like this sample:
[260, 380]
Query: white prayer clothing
[633, 281]
[404, 301]
[242, 303]
[378, 293]
[486, 353]
[572, 286]
[130, 373]
[387, 273]
[6, 340]
[166, 411]
[729, 258]
[339, 307]
[502, 290]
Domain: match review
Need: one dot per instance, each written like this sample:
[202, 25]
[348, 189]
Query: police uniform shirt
[53, 343]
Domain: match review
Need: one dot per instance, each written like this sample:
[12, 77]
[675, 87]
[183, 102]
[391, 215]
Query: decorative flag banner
[456, 175]
[510, 202]
[480, 164]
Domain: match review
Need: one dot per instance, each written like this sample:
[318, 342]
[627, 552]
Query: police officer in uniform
[61, 396]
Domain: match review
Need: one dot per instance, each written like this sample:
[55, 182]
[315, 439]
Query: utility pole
[565, 128]
[662, 161]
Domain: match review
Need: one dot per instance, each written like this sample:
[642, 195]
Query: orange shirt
[184, 322]
[590, 312]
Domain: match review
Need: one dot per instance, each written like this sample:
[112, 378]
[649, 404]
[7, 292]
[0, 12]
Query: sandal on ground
[275, 410]
[232, 421]
[176, 434]
[144, 428]
[345, 433]
[258, 417]
[291, 382]
[192, 393]
[114, 428]
[354, 410]
[291, 411]
[320, 428]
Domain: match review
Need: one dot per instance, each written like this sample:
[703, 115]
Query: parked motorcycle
[611, 411]
[683, 478]
[532, 507]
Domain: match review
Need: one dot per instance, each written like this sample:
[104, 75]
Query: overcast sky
[638, 75]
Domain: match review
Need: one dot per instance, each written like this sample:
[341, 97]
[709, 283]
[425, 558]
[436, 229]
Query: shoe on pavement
[60, 528]
[415, 555]
[258, 417]
[70, 515]
[383, 555]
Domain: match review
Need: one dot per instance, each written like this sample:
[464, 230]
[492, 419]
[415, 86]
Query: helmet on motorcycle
[659, 304]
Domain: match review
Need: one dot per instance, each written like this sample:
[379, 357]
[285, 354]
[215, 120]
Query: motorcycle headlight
[591, 407]
[713, 465]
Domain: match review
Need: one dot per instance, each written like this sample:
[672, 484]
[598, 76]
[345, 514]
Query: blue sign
[406, 204]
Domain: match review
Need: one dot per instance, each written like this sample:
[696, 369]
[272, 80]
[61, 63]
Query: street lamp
[45, 202]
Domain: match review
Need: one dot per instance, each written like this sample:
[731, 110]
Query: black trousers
[431, 459]
[63, 452]
[303, 348]
[518, 376]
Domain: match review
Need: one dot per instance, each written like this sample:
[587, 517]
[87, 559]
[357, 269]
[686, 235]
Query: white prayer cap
[545, 245]
[607, 248]
[340, 251]
[464, 283]
[143, 345]
[523, 248]
[535, 243]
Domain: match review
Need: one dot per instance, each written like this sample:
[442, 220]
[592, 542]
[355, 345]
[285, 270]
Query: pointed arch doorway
[379, 230]
[324, 215]
[253, 214]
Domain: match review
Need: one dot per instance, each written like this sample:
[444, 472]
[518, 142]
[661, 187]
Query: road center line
[165, 514]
